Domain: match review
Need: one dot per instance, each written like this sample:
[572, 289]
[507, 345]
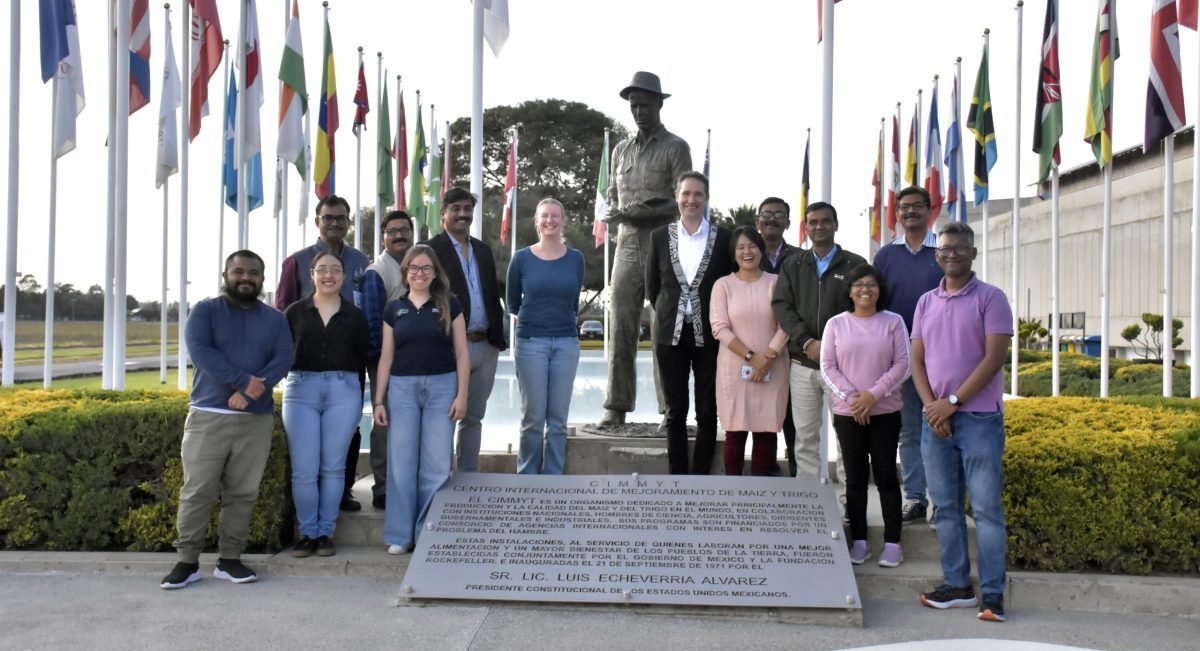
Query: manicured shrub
[86, 470]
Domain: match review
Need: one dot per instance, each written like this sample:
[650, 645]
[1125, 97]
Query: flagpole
[281, 229]
[358, 173]
[477, 116]
[166, 193]
[48, 344]
[106, 370]
[827, 104]
[1055, 284]
[399, 147]
[378, 200]
[429, 160]
[890, 231]
[122, 194]
[1105, 273]
[516, 142]
[983, 208]
[1168, 355]
[222, 189]
[239, 143]
[1016, 212]
[604, 288]
[1195, 311]
[918, 171]
[185, 83]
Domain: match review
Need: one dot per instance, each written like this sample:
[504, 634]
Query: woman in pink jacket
[864, 360]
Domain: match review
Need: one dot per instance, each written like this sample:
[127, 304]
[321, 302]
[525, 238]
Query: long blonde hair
[439, 289]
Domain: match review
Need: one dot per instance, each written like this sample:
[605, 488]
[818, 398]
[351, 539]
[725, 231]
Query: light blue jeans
[546, 372]
[320, 413]
[912, 468]
[973, 458]
[484, 358]
[420, 447]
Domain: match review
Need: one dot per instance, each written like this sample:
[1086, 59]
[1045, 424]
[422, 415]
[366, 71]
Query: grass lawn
[77, 341]
[133, 380]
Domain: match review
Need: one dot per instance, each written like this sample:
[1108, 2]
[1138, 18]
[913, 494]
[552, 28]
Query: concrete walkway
[73, 610]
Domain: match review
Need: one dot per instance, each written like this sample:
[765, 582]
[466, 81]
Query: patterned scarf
[689, 293]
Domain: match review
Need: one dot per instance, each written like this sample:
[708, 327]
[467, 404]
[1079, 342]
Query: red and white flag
[894, 184]
[933, 159]
[208, 46]
[1164, 92]
[510, 190]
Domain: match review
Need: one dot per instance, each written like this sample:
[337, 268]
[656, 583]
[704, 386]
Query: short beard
[237, 299]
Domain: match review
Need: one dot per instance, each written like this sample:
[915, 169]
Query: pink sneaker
[891, 556]
[859, 552]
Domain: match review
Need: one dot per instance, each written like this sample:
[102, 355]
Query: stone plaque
[657, 539]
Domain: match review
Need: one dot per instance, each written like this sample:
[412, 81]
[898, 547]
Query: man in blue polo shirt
[240, 348]
[909, 268]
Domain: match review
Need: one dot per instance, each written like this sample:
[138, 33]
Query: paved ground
[104, 611]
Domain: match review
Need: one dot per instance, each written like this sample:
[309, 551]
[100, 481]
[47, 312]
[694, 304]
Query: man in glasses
[772, 222]
[381, 285]
[910, 268]
[960, 337]
[333, 222]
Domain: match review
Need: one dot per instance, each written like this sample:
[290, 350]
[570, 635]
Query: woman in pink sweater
[864, 360]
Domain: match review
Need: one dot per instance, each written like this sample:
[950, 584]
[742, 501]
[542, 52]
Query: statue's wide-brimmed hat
[647, 81]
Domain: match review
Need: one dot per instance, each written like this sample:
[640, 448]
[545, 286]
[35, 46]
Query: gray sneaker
[912, 511]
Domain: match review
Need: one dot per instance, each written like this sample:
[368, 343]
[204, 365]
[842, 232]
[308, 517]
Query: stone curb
[1097, 593]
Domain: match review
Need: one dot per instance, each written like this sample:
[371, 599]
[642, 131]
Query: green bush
[1079, 375]
[83, 470]
[1103, 485]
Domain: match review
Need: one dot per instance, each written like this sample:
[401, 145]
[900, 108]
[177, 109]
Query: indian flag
[599, 227]
[293, 101]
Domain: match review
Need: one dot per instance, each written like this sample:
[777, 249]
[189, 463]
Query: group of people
[908, 353]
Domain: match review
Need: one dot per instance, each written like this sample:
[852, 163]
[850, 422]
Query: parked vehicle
[591, 330]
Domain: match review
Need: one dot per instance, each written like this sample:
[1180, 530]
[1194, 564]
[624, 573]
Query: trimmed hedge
[1079, 375]
[1103, 485]
[87, 470]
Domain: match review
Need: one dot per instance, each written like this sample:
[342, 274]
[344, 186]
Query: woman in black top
[322, 400]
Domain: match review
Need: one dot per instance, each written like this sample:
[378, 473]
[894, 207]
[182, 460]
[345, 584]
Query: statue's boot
[662, 427]
[612, 418]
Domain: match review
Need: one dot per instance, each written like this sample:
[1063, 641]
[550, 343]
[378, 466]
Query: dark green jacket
[804, 302]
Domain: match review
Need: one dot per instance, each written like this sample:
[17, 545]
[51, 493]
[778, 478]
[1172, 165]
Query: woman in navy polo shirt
[424, 354]
[322, 400]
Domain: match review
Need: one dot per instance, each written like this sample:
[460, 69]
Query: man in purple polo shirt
[960, 336]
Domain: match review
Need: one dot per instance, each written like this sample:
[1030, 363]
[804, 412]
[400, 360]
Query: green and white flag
[383, 155]
[599, 227]
[293, 99]
[433, 207]
[416, 173]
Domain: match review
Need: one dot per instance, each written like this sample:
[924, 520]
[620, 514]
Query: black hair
[786, 208]
[820, 205]
[456, 194]
[394, 215]
[333, 200]
[751, 234]
[913, 189]
[862, 271]
[246, 253]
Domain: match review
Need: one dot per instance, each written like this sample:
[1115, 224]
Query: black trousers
[871, 450]
[674, 364]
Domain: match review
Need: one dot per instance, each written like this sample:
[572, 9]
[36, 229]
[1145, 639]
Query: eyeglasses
[910, 207]
[334, 219]
[392, 232]
[423, 270]
[329, 271]
[768, 214]
[862, 285]
[959, 249]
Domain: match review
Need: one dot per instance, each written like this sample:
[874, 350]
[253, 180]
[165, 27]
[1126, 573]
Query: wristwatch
[749, 355]
[953, 400]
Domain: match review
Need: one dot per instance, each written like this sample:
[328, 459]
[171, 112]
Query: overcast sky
[748, 70]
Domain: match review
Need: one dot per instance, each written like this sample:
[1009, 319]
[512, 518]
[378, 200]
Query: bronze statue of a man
[640, 199]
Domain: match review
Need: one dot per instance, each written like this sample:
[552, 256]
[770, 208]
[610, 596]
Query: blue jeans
[912, 468]
[484, 358]
[320, 414]
[420, 447]
[546, 372]
[973, 458]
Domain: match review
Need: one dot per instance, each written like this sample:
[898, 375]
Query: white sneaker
[398, 550]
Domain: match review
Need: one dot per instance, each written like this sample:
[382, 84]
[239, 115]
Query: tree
[1030, 332]
[559, 150]
[369, 231]
[1151, 339]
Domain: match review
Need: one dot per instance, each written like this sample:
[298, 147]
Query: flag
[60, 38]
[1164, 92]
[979, 121]
[400, 153]
[139, 55]
[804, 186]
[168, 103]
[361, 107]
[599, 226]
[821, 19]
[208, 47]
[956, 199]
[707, 149]
[894, 187]
[293, 98]
[910, 154]
[251, 134]
[383, 157]
[495, 24]
[1187, 13]
[1047, 122]
[1097, 129]
[933, 159]
[327, 122]
[230, 173]
[434, 200]
[877, 182]
[416, 174]
[510, 190]
[447, 180]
